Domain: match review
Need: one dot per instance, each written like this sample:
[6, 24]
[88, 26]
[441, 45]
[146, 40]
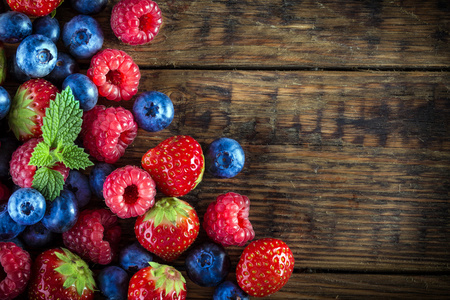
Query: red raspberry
[21, 172]
[95, 236]
[136, 22]
[15, 272]
[115, 74]
[226, 220]
[129, 192]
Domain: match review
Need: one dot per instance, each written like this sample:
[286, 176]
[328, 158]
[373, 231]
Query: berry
[62, 213]
[9, 229]
[129, 192]
[134, 257]
[36, 55]
[5, 102]
[224, 158]
[78, 183]
[89, 7]
[47, 26]
[136, 22]
[83, 89]
[113, 283]
[115, 74]
[153, 111]
[37, 235]
[61, 274]
[207, 264]
[168, 228]
[14, 27]
[4, 192]
[83, 36]
[226, 220]
[21, 172]
[34, 8]
[16, 269]
[110, 132]
[14, 71]
[157, 281]
[265, 267]
[176, 165]
[95, 236]
[26, 206]
[65, 65]
[28, 108]
[3, 64]
[7, 146]
[230, 291]
[97, 177]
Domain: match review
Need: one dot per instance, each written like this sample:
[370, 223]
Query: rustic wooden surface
[343, 110]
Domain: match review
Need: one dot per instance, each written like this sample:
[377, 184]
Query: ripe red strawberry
[15, 270]
[34, 8]
[265, 267]
[28, 108]
[95, 236]
[226, 220]
[129, 192]
[157, 282]
[176, 164]
[115, 74]
[136, 22]
[168, 228]
[60, 274]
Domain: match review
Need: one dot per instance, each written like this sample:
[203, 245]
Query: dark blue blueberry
[37, 235]
[8, 145]
[47, 26]
[113, 283]
[36, 55]
[5, 102]
[224, 158]
[153, 111]
[14, 71]
[229, 290]
[83, 89]
[134, 257]
[65, 65]
[207, 264]
[83, 36]
[62, 213]
[89, 7]
[9, 228]
[14, 27]
[78, 183]
[26, 206]
[97, 177]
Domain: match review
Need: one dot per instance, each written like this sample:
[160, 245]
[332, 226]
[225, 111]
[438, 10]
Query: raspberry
[21, 172]
[95, 236]
[226, 220]
[129, 192]
[136, 22]
[110, 133]
[115, 74]
[15, 272]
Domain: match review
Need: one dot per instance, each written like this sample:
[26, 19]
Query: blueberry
[207, 264]
[83, 36]
[47, 26]
[5, 102]
[153, 111]
[14, 27]
[62, 213]
[9, 228]
[26, 206]
[97, 177]
[134, 257]
[224, 158]
[65, 65]
[78, 183]
[83, 89]
[36, 55]
[37, 235]
[113, 283]
[88, 7]
[229, 290]
[8, 145]
[14, 71]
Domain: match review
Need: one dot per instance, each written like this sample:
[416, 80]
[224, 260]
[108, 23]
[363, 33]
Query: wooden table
[343, 110]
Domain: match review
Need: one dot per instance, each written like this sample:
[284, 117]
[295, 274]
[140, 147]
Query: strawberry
[264, 267]
[157, 282]
[34, 8]
[28, 108]
[60, 274]
[168, 228]
[176, 164]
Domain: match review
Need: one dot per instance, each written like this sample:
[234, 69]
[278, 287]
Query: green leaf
[41, 156]
[48, 182]
[80, 284]
[65, 269]
[74, 157]
[69, 281]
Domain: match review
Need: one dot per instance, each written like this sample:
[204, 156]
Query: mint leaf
[74, 157]
[48, 182]
[41, 156]
[62, 121]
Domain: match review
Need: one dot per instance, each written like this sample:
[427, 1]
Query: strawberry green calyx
[167, 210]
[200, 177]
[20, 116]
[167, 278]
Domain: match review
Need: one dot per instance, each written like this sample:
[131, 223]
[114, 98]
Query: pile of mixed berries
[50, 237]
